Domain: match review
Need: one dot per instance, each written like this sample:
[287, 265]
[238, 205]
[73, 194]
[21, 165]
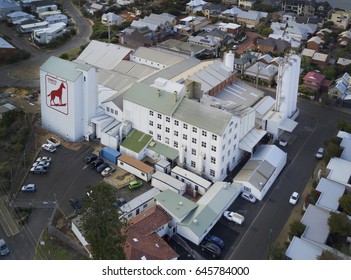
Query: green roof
[152, 98]
[164, 150]
[176, 204]
[136, 141]
[63, 68]
[202, 116]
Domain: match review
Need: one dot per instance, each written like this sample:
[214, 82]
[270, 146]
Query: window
[204, 133]
[176, 122]
[151, 123]
[230, 131]
[168, 119]
[212, 173]
[235, 136]
[185, 126]
[213, 148]
[185, 137]
[229, 141]
[234, 147]
[116, 112]
[176, 133]
[236, 125]
[193, 164]
[145, 205]
[213, 160]
[224, 135]
[193, 152]
[151, 132]
[151, 113]
[121, 163]
[159, 137]
[159, 116]
[228, 153]
[175, 144]
[193, 140]
[159, 126]
[222, 158]
[108, 109]
[214, 137]
[195, 129]
[167, 140]
[167, 129]
[203, 144]
[223, 147]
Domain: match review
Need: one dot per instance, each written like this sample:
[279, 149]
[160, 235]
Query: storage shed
[110, 154]
[135, 167]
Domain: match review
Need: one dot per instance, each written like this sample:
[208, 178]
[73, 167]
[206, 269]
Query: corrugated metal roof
[136, 163]
[164, 150]
[330, 194]
[157, 56]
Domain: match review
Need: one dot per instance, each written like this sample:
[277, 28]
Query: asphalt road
[38, 57]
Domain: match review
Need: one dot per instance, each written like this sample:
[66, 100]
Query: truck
[53, 141]
[234, 217]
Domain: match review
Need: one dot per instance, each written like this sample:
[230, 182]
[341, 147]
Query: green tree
[329, 72]
[339, 224]
[265, 32]
[327, 255]
[296, 229]
[328, 24]
[277, 252]
[102, 226]
[345, 203]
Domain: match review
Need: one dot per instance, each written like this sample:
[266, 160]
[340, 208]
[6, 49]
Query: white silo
[229, 60]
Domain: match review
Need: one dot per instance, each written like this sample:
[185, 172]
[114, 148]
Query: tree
[345, 203]
[296, 229]
[277, 252]
[265, 32]
[339, 224]
[103, 228]
[328, 24]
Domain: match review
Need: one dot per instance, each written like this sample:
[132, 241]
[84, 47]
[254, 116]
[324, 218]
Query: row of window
[110, 110]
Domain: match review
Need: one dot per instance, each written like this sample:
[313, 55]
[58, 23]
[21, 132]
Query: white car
[283, 142]
[48, 159]
[107, 171]
[41, 163]
[294, 198]
[248, 196]
[48, 147]
[320, 153]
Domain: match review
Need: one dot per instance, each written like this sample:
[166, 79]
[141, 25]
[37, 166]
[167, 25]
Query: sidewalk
[7, 222]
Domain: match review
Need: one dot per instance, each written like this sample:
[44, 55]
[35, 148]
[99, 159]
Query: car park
[248, 196]
[4, 250]
[294, 198]
[41, 163]
[29, 188]
[48, 147]
[39, 170]
[320, 153]
[107, 171]
[215, 239]
[48, 159]
[283, 142]
[135, 184]
[102, 166]
[90, 158]
[97, 162]
[211, 248]
[75, 203]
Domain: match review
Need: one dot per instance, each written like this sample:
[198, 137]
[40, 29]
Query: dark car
[211, 248]
[90, 158]
[75, 203]
[101, 167]
[97, 162]
[215, 239]
[120, 202]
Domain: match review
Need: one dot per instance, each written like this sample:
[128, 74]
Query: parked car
[215, 239]
[108, 171]
[135, 184]
[44, 159]
[90, 158]
[102, 166]
[294, 198]
[248, 196]
[41, 163]
[29, 188]
[97, 162]
[234, 217]
[48, 147]
[283, 142]
[211, 248]
[4, 250]
[120, 202]
[39, 170]
[320, 153]
[53, 141]
[75, 203]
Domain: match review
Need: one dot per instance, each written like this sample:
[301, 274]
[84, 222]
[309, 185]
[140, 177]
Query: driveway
[248, 43]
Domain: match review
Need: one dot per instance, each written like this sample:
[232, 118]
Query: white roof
[251, 139]
[343, 61]
[5, 45]
[344, 134]
[270, 153]
[264, 105]
[316, 221]
[157, 56]
[139, 200]
[168, 179]
[320, 56]
[103, 55]
[340, 170]
[346, 145]
[330, 194]
[308, 52]
[288, 124]
[316, 39]
[300, 249]
[192, 177]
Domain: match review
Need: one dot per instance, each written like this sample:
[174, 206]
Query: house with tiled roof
[272, 45]
[144, 236]
[315, 43]
[344, 38]
[342, 88]
[250, 18]
[316, 81]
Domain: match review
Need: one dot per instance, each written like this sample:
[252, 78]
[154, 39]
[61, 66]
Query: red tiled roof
[314, 77]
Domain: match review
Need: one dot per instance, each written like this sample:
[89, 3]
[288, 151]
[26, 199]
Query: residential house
[262, 72]
[6, 49]
[341, 19]
[190, 25]
[299, 31]
[343, 61]
[271, 45]
[8, 7]
[223, 38]
[345, 145]
[111, 19]
[45, 14]
[259, 173]
[323, 32]
[231, 14]
[250, 18]
[209, 42]
[144, 236]
[316, 82]
[136, 37]
[94, 8]
[231, 28]
[344, 38]
[46, 35]
[300, 7]
[59, 18]
[289, 17]
[246, 4]
[323, 10]
[213, 10]
[315, 43]
[6, 108]
[320, 59]
[244, 61]
[342, 88]
[195, 6]
[181, 48]
[15, 16]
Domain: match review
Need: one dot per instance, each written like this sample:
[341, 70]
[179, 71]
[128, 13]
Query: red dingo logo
[57, 94]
